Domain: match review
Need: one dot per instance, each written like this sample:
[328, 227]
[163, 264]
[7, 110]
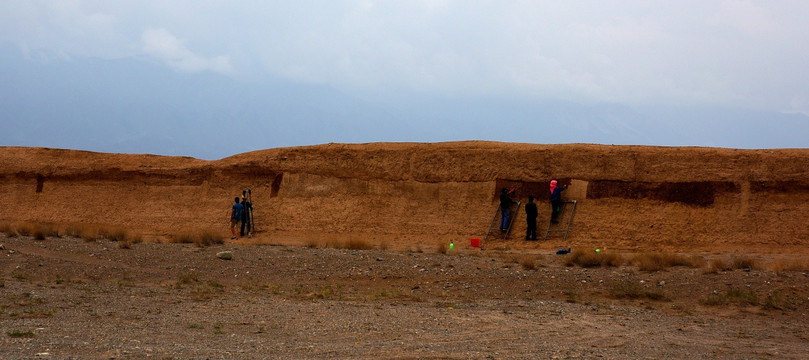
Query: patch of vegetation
[441, 247]
[195, 326]
[6, 228]
[632, 290]
[114, 234]
[356, 244]
[744, 262]
[717, 265]
[661, 261]
[776, 300]
[201, 238]
[390, 294]
[18, 333]
[313, 243]
[185, 279]
[732, 296]
[528, 262]
[327, 292]
[589, 259]
[782, 265]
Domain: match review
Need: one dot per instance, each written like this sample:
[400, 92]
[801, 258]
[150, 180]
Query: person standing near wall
[235, 217]
[531, 214]
[505, 209]
[556, 201]
[247, 208]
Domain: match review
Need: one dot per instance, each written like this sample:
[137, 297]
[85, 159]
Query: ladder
[562, 214]
[510, 221]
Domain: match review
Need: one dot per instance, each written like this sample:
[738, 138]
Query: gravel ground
[67, 298]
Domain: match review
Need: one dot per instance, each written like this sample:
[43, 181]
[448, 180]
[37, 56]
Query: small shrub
[183, 238]
[528, 262]
[115, 234]
[24, 228]
[186, 279]
[73, 230]
[631, 290]
[717, 265]
[208, 238]
[744, 262]
[39, 234]
[742, 296]
[782, 265]
[441, 247]
[200, 238]
[17, 333]
[358, 244]
[89, 233]
[775, 300]
[661, 261]
[732, 296]
[314, 243]
[588, 259]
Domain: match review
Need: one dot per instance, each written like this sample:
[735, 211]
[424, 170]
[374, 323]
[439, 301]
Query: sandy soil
[70, 298]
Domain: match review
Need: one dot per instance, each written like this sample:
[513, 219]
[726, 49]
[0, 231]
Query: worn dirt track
[630, 198]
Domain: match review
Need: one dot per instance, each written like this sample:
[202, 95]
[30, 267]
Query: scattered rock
[2, 247]
[225, 255]
[379, 259]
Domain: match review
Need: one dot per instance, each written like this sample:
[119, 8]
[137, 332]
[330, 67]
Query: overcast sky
[741, 56]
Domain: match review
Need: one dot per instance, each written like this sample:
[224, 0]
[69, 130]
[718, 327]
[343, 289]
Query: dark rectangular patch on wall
[699, 193]
[775, 187]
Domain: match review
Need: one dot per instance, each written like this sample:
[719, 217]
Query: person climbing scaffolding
[556, 201]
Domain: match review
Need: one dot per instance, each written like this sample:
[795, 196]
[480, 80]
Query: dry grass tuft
[114, 234]
[358, 244]
[24, 228]
[313, 243]
[588, 259]
[129, 241]
[441, 247]
[732, 296]
[662, 261]
[528, 262]
[201, 238]
[782, 265]
[744, 262]
[717, 265]
[632, 290]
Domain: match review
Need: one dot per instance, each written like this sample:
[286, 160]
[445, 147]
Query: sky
[210, 79]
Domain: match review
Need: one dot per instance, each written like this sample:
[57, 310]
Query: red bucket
[475, 242]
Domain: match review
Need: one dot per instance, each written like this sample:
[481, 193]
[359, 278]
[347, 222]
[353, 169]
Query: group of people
[531, 211]
[240, 214]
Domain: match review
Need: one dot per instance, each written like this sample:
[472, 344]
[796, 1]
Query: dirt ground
[67, 298]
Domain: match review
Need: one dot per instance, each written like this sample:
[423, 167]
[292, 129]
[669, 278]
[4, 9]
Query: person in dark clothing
[531, 214]
[247, 209]
[235, 216]
[505, 209]
[556, 201]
